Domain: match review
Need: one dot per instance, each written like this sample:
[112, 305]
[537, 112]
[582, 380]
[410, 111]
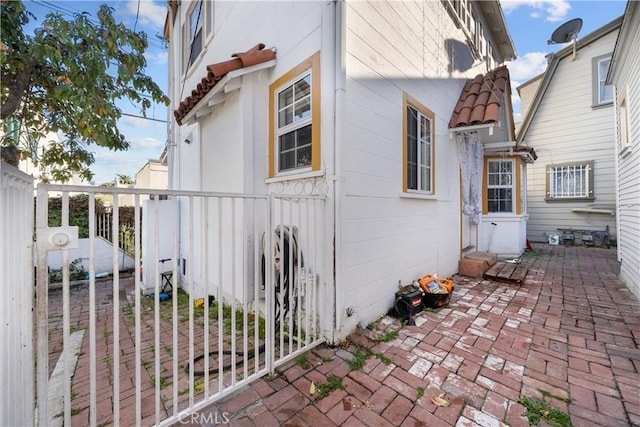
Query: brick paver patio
[568, 336]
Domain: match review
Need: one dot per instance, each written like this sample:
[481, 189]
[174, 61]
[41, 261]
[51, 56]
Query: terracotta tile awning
[481, 99]
[215, 72]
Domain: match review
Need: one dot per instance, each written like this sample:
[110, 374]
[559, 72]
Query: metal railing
[226, 288]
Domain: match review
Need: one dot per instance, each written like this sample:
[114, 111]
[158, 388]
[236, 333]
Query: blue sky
[530, 23]
[147, 137]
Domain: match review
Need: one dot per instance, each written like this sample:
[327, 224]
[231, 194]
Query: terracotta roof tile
[481, 99]
[215, 72]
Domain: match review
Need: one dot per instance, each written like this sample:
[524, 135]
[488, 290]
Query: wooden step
[507, 272]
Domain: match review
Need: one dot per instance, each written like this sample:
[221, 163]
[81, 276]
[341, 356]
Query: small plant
[76, 272]
[361, 355]
[144, 363]
[163, 382]
[302, 361]
[389, 336]
[545, 393]
[74, 411]
[333, 383]
[419, 393]
[384, 359]
[371, 326]
[539, 409]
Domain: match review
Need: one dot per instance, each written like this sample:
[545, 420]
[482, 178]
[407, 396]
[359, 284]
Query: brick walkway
[569, 336]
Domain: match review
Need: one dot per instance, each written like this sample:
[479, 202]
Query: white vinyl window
[500, 185]
[465, 17]
[602, 93]
[293, 130]
[197, 29]
[570, 181]
[419, 137]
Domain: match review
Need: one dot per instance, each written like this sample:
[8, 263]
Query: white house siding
[626, 78]
[228, 149]
[224, 142]
[567, 129]
[527, 91]
[394, 48]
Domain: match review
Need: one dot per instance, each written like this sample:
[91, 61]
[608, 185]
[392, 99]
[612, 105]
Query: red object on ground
[529, 245]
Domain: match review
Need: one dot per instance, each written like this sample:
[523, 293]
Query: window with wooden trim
[570, 181]
[602, 92]
[294, 120]
[418, 137]
[500, 185]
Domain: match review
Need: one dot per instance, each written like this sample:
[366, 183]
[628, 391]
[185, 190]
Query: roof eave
[492, 11]
[553, 65]
[623, 35]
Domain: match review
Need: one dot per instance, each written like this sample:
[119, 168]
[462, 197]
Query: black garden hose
[250, 354]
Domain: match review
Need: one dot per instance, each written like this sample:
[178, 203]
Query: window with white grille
[294, 124]
[570, 181]
[294, 120]
[500, 186]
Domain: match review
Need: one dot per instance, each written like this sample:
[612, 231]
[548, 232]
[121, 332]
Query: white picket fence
[17, 300]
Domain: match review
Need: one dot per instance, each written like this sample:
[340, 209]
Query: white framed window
[463, 15]
[198, 28]
[500, 185]
[570, 181]
[418, 151]
[294, 111]
[293, 129]
[602, 92]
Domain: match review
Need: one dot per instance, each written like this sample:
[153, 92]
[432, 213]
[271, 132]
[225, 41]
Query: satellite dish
[567, 32]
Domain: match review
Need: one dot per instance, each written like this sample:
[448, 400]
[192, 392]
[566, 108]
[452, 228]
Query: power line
[73, 12]
[137, 15]
[144, 118]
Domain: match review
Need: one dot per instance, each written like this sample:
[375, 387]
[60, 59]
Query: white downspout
[616, 168]
[339, 111]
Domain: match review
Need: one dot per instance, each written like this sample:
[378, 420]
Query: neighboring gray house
[569, 122]
[624, 74]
